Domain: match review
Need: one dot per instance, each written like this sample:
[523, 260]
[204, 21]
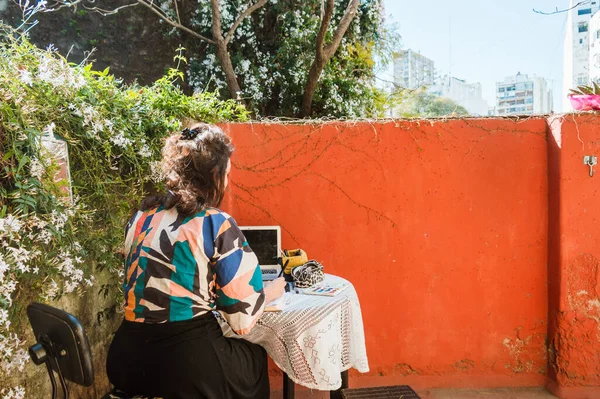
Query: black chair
[63, 347]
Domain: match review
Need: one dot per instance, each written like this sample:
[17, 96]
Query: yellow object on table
[293, 258]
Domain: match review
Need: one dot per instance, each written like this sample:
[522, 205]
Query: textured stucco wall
[441, 226]
[472, 244]
[574, 253]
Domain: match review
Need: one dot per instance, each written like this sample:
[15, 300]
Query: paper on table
[277, 305]
[326, 289]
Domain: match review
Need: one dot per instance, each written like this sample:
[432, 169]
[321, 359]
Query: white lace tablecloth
[314, 338]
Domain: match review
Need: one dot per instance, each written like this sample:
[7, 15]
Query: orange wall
[442, 227]
[574, 253]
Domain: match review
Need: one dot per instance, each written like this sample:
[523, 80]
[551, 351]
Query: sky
[490, 40]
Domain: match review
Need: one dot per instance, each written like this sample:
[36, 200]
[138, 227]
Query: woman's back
[180, 267]
[183, 259]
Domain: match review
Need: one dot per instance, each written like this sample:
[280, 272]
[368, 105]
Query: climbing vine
[57, 230]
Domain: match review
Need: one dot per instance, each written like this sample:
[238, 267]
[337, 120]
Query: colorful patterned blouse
[178, 268]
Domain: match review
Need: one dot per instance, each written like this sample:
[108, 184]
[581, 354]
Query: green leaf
[22, 162]
[9, 154]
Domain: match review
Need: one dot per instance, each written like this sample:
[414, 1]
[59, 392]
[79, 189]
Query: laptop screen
[264, 243]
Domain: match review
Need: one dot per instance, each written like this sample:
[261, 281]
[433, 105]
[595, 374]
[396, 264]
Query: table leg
[338, 394]
[288, 387]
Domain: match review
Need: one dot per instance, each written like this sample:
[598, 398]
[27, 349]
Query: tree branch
[325, 52]
[57, 5]
[349, 14]
[216, 20]
[104, 13]
[168, 20]
[557, 11]
[177, 11]
[241, 17]
[325, 20]
[222, 53]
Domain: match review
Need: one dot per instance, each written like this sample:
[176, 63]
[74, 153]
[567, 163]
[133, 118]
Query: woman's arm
[240, 297]
[274, 289]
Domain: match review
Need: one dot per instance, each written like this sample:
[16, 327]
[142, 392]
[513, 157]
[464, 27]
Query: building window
[501, 90]
[583, 27]
[585, 11]
[580, 41]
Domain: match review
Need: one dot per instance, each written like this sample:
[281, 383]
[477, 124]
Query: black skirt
[186, 360]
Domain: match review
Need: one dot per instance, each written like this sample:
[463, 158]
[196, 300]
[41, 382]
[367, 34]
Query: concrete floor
[498, 393]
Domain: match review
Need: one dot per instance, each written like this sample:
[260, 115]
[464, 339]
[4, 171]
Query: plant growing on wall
[49, 245]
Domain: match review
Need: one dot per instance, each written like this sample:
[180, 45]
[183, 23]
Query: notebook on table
[278, 304]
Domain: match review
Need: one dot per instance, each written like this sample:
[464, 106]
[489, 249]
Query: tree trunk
[230, 77]
[222, 53]
[311, 86]
[325, 52]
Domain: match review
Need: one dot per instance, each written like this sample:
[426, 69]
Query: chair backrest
[64, 338]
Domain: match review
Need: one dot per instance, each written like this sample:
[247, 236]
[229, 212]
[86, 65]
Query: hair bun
[189, 134]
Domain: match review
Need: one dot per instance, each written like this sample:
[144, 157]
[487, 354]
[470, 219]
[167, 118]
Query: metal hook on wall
[591, 161]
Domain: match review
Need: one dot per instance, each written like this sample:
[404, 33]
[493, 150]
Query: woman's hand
[274, 289]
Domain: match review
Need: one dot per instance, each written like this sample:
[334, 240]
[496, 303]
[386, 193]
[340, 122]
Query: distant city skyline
[412, 70]
[479, 41]
[522, 94]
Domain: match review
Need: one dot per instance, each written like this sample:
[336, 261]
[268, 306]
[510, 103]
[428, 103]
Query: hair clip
[189, 134]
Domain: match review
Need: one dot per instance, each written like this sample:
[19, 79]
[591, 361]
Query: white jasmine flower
[51, 290]
[3, 317]
[145, 151]
[36, 169]
[10, 224]
[70, 286]
[49, 129]
[25, 76]
[120, 140]
[3, 268]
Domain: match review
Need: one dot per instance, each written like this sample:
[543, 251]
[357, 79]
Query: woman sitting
[185, 258]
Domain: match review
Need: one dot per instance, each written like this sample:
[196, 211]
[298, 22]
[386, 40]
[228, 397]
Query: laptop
[265, 242]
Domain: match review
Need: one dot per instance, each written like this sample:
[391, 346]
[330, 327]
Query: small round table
[314, 339]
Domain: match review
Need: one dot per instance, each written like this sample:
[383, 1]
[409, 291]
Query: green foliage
[594, 88]
[421, 104]
[50, 245]
[272, 52]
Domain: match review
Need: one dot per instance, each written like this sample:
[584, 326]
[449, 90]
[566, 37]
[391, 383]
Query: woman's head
[195, 164]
